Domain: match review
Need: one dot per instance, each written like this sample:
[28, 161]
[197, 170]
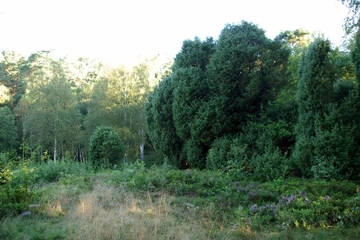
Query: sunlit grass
[107, 213]
[102, 206]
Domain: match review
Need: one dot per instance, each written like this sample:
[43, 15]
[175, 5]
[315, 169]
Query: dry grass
[108, 213]
[99, 210]
[103, 211]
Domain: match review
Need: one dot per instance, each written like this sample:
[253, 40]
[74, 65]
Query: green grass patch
[70, 201]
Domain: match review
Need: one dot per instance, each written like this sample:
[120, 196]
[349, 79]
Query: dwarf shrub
[106, 148]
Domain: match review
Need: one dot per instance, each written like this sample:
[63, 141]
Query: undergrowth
[71, 201]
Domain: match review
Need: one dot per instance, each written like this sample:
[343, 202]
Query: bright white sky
[116, 30]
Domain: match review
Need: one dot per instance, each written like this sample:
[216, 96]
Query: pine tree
[314, 93]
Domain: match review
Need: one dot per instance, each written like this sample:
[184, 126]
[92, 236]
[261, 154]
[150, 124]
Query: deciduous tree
[8, 132]
[52, 119]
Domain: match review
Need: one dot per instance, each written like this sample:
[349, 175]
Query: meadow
[69, 200]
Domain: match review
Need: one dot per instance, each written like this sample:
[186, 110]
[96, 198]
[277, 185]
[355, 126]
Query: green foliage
[219, 154]
[190, 91]
[8, 131]
[336, 143]
[19, 183]
[231, 156]
[228, 106]
[159, 117]
[270, 165]
[241, 73]
[261, 153]
[355, 57]
[351, 214]
[323, 208]
[13, 71]
[5, 169]
[194, 53]
[58, 103]
[328, 127]
[48, 172]
[136, 178]
[344, 68]
[15, 186]
[315, 88]
[316, 78]
[214, 90]
[194, 152]
[352, 22]
[306, 204]
[281, 205]
[297, 41]
[292, 203]
[106, 148]
[118, 100]
[173, 104]
[50, 117]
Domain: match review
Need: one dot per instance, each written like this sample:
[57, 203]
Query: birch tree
[52, 118]
[118, 100]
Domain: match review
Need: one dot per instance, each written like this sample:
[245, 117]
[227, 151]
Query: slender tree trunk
[62, 150]
[141, 146]
[56, 120]
[23, 137]
[78, 154]
[81, 158]
[41, 155]
[142, 151]
[55, 136]
[55, 149]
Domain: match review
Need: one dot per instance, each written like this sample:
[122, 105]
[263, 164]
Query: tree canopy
[252, 103]
[8, 132]
[245, 104]
[215, 87]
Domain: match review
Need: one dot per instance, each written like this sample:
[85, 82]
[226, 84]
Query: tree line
[51, 107]
[243, 103]
[260, 108]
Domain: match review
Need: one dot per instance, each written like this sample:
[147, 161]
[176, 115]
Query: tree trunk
[142, 151]
[23, 137]
[55, 143]
[141, 145]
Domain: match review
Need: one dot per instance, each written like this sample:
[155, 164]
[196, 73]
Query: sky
[116, 31]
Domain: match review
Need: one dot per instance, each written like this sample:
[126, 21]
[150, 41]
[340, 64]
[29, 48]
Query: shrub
[351, 214]
[50, 172]
[106, 147]
[304, 204]
[219, 154]
[15, 187]
[230, 155]
[269, 166]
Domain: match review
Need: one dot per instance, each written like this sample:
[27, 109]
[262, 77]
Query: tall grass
[107, 213]
[50, 172]
[70, 201]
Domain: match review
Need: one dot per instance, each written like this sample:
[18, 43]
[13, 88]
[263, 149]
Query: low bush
[106, 148]
[15, 187]
[292, 203]
[51, 172]
[18, 181]
[284, 204]
[307, 204]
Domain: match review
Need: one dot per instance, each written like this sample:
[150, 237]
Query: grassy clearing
[163, 203]
[107, 212]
